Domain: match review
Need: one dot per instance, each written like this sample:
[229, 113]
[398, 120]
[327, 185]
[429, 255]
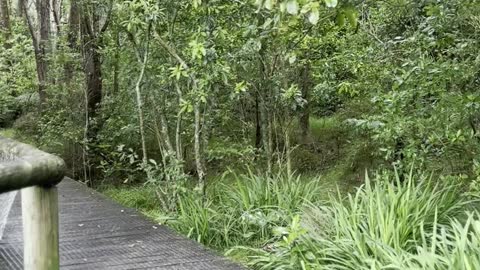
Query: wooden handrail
[36, 173]
[22, 165]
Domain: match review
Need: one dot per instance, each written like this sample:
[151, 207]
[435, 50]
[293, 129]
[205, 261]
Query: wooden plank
[97, 233]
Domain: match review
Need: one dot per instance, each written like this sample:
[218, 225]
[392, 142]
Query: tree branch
[171, 51]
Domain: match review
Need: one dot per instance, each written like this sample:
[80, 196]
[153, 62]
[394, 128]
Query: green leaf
[248, 234]
[268, 4]
[340, 20]
[279, 231]
[292, 7]
[351, 15]
[153, 162]
[331, 3]
[283, 7]
[197, 3]
[313, 16]
[292, 59]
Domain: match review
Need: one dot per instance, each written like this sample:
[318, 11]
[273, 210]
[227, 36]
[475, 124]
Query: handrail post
[36, 173]
[40, 228]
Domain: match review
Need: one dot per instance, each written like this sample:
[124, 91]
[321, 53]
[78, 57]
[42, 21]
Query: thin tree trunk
[93, 72]
[140, 103]
[178, 130]
[160, 145]
[305, 86]
[197, 123]
[72, 39]
[40, 44]
[287, 152]
[198, 148]
[116, 66]
[19, 8]
[265, 134]
[85, 140]
[164, 131]
[5, 22]
[258, 129]
[44, 48]
[91, 33]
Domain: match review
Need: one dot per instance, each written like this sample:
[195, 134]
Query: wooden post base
[40, 228]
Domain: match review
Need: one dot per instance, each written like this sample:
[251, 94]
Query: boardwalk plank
[96, 233]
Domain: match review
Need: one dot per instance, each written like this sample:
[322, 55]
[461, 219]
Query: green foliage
[325, 87]
[140, 197]
[9, 133]
[403, 225]
[17, 62]
[245, 212]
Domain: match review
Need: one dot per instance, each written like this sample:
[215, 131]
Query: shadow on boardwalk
[96, 233]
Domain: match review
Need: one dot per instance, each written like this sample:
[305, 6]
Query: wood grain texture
[40, 228]
[22, 166]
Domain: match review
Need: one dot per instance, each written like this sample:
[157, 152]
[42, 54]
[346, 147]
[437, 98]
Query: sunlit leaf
[268, 4]
[292, 7]
[313, 16]
[331, 3]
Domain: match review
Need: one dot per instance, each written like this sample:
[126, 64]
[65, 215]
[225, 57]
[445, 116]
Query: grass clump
[142, 198]
[386, 224]
[244, 212]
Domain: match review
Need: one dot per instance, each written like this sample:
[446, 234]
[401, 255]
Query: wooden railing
[36, 173]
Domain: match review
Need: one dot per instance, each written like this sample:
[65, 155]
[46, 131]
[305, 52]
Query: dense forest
[296, 134]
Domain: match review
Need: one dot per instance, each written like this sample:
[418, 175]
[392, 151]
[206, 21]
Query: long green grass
[386, 224]
[282, 222]
[245, 211]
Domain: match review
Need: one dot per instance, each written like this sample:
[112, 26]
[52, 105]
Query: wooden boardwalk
[96, 233]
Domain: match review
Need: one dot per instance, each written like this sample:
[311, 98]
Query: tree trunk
[5, 22]
[116, 65]
[164, 130]
[72, 39]
[91, 33]
[40, 44]
[198, 148]
[5, 31]
[19, 8]
[287, 152]
[263, 111]
[93, 73]
[140, 105]
[265, 131]
[305, 87]
[44, 48]
[178, 129]
[258, 129]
